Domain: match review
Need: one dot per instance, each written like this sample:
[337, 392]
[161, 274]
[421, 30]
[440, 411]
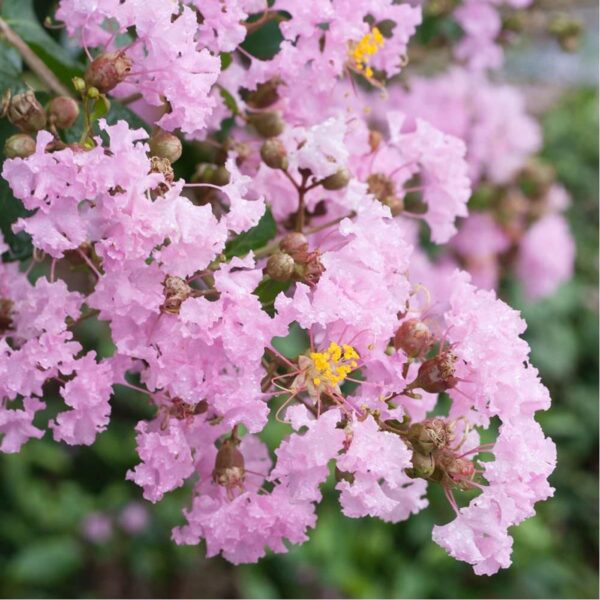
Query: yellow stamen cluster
[334, 365]
[368, 46]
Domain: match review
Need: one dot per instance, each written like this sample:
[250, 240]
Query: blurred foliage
[49, 489]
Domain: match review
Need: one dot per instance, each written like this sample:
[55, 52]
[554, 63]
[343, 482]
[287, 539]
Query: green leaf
[268, 290]
[101, 108]
[10, 69]
[229, 100]
[254, 238]
[226, 60]
[264, 42]
[21, 17]
[46, 561]
[116, 112]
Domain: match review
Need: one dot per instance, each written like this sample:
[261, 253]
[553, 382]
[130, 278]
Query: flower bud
[337, 181]
[242, 150]
[294, 244]
[78, 84]
[384, 189]
[229, 468]
[267, 124]
[423, 466]
[163, 166]
[309, 268]
[280, 266]
[209, 173]
[6, 307]
[265, 94]
[26, 113]
[20, 145]
[63, 112]
[274, 154]
[165, 145]
[413, 337]
[221, 176]
[107, 71]
[430, 435]
[176, 292]
[436, 375]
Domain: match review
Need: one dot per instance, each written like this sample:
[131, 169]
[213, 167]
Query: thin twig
[32, 60]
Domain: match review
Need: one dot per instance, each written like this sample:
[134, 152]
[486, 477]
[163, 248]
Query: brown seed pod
[267, 124]
[165, 145]
[229, 470]
[414, 338]
[20, 145]
[338, 181]
[436, 375]
[274, 154]
[107, 71]
[63, 112]
[280, 266]
[26, 113]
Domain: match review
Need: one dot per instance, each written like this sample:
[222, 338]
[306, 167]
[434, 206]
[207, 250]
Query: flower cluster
[302, 223]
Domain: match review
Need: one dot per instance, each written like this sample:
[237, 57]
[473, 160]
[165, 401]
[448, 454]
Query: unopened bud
[26, 113]
[242, 150]
[413, 337]
[63, 112]
[436, 375]
[339, 180]
[423, 466]
[265, 94]
[294, 244]
[78, 84]
[274, 154]
[221, 176]
[163, 166]
[165, 145]
[93, 92]
[384, 189]
[280, 266]
[107, 71]
[267, 124]
[430, 435]
[229, 468]
[20, 145]
[177, 291]
[309, 268]
[209, 173]
[6, 308]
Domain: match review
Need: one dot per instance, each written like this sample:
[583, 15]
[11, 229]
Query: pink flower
[378, 486]
[541, 271]
[16, 425]
[167, 459]
[88, 395]
[302, 460]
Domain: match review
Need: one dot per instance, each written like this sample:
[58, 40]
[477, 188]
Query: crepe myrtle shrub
[307, 212]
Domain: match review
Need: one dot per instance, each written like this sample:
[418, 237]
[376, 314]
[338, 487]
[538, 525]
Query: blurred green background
[49, 490]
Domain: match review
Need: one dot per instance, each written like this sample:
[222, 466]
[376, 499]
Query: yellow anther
[334, 365]
[366, 47]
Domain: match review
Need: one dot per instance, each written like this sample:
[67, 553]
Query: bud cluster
[293, 261]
